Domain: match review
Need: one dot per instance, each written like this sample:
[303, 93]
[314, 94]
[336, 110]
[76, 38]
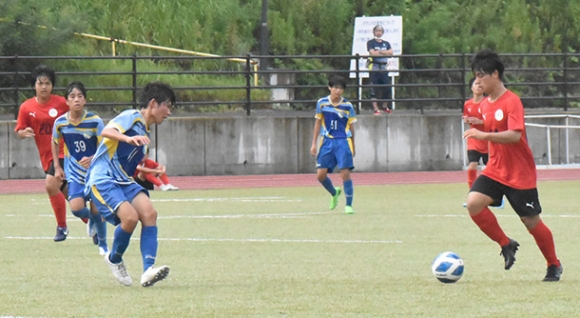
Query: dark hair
[337, 81]
[42, 70]
[158, 91]
[471, 80]
[487, 61]
[77, 85]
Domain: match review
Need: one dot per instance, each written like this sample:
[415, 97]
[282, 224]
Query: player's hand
[313, 150]
[85, 161]
[472, 120]
[473, 133]
[28, 132]
[161, 169]
[138, 140]
[59, 173]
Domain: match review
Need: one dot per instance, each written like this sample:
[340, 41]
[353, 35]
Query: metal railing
[212, 83]
[547, 148]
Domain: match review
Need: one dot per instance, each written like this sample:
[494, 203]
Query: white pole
[393, 91]
[359, 92]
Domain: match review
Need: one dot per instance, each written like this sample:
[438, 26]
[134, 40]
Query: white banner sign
[363, 32]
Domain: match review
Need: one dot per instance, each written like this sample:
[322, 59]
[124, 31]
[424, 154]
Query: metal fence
[216, 84]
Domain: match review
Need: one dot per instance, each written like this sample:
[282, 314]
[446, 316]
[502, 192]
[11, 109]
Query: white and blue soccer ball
[447, 267]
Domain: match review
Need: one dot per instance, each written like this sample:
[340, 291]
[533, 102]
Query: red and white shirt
[510, 164]
[41, 117]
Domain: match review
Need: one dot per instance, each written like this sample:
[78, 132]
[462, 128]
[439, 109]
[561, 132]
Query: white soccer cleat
[154, 274]
[103, 251]
[164, 187]
[172, 187]
[119, 271]
[91, 228]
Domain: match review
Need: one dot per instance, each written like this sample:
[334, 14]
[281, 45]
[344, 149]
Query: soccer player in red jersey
[35, 120]
[476, 149]
[153, 172]
[511, 170]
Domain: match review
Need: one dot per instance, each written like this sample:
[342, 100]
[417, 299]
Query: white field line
[225, 216]
[246, 199]
[246, 240]
[243, 200]
[542, 215]
[251, 216]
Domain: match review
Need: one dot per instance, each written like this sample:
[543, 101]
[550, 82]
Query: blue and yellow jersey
[79, 140]
[335, 119]
[116, 161]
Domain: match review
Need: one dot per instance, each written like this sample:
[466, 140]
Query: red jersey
[146, 163]
[41, 117]
[510, 164]
[471, 109]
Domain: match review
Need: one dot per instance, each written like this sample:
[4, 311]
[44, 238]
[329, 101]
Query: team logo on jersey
[52, 112]
[33, 114]
[498, 115]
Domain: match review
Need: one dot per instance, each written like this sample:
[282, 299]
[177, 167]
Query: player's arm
[146, 170]
[472, 120]
[315, 136]
[58, 170]
[352, 139]
[502, 137]
[27, 132]
[113, 133]
[23, 129]
[86, 161]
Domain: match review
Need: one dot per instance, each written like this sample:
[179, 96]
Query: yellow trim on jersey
[111, 145]
[99, 197]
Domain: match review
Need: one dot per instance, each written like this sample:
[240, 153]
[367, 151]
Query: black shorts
[524, 202]
[474, 156]
[50, 171]
[144, 183]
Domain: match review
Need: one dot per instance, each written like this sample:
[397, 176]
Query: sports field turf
[279, 252]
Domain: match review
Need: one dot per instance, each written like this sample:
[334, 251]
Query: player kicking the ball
[510, 171]
[120, 200]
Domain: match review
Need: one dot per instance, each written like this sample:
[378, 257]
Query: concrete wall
[270, 145]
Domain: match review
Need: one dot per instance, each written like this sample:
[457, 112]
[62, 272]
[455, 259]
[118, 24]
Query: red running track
[297, 180]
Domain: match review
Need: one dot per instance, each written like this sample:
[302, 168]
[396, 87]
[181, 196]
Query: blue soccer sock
[101, 228]
[120, 243]
[327, 184]
[348, 191]
[148, 246]
[82, 213]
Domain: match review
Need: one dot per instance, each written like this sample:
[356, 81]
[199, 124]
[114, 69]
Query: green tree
[31, 28]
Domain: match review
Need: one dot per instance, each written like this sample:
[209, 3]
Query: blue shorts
[335, 153]
[109, 196]
[76, 190]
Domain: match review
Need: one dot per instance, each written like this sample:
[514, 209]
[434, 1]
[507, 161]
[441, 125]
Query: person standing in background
[380, 51]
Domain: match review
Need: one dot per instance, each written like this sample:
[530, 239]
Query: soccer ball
[447, 267]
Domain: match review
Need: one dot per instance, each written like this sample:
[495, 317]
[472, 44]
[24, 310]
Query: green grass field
[279, 252]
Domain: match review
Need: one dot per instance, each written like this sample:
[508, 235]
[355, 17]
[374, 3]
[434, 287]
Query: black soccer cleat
[61, 234]
[509, 253]
[553, 273]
